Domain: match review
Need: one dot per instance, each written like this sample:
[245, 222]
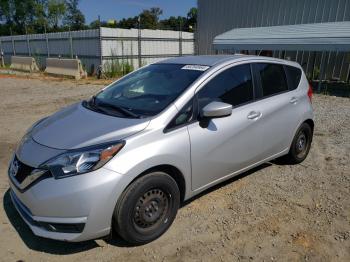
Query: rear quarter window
[294, 76]
[272, 77]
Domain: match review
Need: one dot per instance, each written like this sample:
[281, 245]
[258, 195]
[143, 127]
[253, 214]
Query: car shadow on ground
[64, 248]
[229, 181]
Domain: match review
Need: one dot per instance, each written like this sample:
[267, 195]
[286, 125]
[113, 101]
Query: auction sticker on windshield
[195, 67]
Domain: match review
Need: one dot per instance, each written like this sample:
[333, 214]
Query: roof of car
[205, 60]
[213, 60]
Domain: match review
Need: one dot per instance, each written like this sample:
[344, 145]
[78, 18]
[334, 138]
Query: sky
[118, 9]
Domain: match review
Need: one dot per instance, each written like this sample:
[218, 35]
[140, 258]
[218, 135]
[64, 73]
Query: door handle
[293, 100]
[254, 115]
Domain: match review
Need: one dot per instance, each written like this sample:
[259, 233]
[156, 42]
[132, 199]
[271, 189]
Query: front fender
[151, 149]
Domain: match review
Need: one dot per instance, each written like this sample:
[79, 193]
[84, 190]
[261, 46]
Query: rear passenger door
[278, 106]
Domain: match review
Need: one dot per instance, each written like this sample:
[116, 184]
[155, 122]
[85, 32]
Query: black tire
[301, 145]
[147, 208]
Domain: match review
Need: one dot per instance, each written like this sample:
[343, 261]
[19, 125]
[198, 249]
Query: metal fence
[98, 46]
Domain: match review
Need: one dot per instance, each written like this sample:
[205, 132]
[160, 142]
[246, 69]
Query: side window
[294, 76]
[233, 86]
[273, 79]
[183, 117]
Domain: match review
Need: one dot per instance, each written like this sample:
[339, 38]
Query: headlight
[83, 160]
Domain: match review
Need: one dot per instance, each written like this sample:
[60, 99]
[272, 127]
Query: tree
[173, 23]
[150, 18]
[4, 17]
[192, 15]
[192, 19]
[74, 18]
[22, 14]
[128, 23]
[19, 16]
[56, 10]
[4, 11]
[33, 16]
[40, 17]
[96, 24]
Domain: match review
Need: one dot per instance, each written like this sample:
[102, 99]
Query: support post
[28, 44]
[123, 68]
[100, 45]
[13, 43]
[180, 39]
[2, 57]
[139, 43]
[308, 61]
[196, 39]
[313, 66]
[47, 42]
[341, 65]
[322, 70]
[283, 54]
[71, 43]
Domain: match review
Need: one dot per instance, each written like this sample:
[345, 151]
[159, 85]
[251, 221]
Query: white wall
[92, 46]
[155, 44]
[95, 46]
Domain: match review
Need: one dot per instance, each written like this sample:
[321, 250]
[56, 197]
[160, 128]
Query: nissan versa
[125, 159]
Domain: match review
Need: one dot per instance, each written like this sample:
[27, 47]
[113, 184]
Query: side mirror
[216, 109]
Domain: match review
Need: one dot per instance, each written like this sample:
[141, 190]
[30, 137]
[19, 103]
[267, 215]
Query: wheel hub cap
[150, 208]
[301, 144]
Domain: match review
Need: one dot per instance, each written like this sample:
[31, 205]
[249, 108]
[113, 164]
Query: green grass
[114, 68]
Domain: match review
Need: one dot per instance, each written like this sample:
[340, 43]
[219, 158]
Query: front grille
[24, 176]
[23, 171]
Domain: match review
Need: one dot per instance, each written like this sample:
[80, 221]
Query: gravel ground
[273, 213]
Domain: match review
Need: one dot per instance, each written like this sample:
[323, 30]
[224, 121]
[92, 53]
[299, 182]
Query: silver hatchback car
[125, 159]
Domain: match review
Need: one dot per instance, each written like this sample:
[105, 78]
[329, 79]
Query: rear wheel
[301, 145]
[147, 208]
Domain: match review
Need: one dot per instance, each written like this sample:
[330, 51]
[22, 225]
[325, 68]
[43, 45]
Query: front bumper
[47, 229]
[73, 209]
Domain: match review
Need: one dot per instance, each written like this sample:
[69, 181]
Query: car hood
[76, 126]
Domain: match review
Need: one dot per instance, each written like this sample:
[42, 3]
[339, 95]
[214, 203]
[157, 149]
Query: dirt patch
[273, 213]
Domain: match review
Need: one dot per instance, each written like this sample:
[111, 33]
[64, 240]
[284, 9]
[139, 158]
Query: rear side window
[273, 79]
[233, 86]
[294, 76]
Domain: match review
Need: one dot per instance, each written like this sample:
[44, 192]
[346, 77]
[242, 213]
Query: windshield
[148, 91]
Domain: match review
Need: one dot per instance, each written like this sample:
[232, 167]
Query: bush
[114, 68]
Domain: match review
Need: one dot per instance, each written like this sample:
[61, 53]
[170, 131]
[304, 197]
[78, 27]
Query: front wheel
[147, 208]
[301, 145]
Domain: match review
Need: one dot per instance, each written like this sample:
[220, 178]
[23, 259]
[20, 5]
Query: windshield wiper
[91, 105]
[123, 110]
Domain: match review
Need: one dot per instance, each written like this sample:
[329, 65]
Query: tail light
[310, 92]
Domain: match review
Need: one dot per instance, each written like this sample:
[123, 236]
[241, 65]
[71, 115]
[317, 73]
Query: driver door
[227, 144]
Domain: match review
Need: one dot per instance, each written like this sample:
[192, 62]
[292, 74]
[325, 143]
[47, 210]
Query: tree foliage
[74, 18]
[181, 23]
[55, 13]
[36, 16]
[150, 18]
[127, 23]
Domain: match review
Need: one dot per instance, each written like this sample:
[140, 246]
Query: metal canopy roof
[333, 36]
